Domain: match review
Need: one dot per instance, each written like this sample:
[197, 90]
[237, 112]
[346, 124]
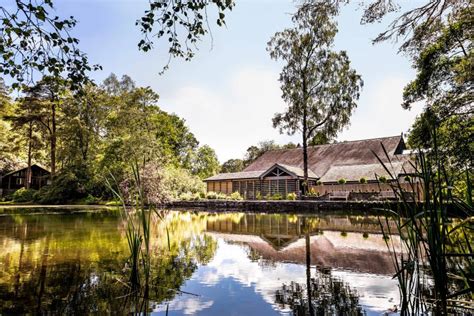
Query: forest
[84, 138]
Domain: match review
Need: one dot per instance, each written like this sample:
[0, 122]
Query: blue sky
[229, 92]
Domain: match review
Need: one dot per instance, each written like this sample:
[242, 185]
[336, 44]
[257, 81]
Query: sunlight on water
[216, 264]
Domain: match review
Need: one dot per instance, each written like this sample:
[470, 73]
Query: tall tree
[232, 165]
[205, 163]
[318, 83]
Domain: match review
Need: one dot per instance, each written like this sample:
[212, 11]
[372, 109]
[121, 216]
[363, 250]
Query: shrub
[90, 199]
[319, 182]
[343, 234]
[211, 195]
[407, 178]
[68, 185]
[236, 196]
[365, 235]
[291, 196]
[258, 196]
[187, 196]
[277, 196]
[363, 180]
[24, 195]
[221, 196]
[341, 181]
[382, 179]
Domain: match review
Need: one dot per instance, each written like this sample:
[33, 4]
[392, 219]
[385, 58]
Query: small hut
[17, 179]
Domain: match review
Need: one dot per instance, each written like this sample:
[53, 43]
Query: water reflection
[215, 264]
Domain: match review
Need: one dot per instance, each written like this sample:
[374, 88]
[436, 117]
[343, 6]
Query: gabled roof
[294, 171]
[24, 168]
[322, 157]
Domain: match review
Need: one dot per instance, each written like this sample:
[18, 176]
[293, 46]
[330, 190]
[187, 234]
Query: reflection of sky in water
[232, 284]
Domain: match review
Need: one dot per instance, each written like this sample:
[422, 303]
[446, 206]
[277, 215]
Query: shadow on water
[80, 264]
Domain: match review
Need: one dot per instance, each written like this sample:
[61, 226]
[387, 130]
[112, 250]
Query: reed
[434, 270]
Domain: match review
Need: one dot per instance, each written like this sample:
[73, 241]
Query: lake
[203, 263]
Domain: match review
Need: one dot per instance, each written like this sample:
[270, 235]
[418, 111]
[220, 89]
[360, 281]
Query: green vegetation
[291, 196]
[363, 180]
[311, 74]
[342, 181]
[382, 179]
[83, 137]
[24, 195]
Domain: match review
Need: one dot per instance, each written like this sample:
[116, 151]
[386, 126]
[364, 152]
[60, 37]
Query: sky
[229, 92]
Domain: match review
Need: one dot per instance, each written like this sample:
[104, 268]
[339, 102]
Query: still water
[203, 263]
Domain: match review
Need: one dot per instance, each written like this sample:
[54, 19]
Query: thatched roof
[323, 157]
[350, 160]
[368, 171]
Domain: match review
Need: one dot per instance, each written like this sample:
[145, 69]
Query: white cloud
[380, 113]
[232, 118]
[237, 113]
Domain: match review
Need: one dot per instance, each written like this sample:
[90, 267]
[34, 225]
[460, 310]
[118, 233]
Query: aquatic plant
[435, 269]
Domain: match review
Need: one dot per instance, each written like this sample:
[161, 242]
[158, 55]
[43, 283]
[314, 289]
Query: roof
[17, 170]
[295, 171]
[236, 175]
[322, 157]
[350, 160]
[367, 171]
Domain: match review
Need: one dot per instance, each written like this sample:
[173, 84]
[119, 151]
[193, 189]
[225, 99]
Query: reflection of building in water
[353, 243]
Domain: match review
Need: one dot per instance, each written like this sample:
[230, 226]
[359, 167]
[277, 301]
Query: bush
[277, 196]
[363, 180]
[176, 181]
[341, 181]
[258, 196]
[291, 196]
[211, 195]
[24, 195]
[407, 178]
[236, 196]
[365, 235]
[221, 196]
[90, 199]
[319, 182]
[67, 186]
[382, 179]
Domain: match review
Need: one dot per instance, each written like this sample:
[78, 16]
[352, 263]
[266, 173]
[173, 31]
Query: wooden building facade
[17, 179]
[355, 162]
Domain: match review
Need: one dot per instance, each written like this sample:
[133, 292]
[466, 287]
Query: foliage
[319, 182]
[232, 165]
[318, 83]
[211, 195]
[291, 196]
[205, 162]
[68, 185]
[177, 181]
[276, 196]
[236, 196]
[33, 39]
[382, 179]
[342, 181]
[363, 180]
[435, 272]
[258, 195]
[168, 19]
[24, 195]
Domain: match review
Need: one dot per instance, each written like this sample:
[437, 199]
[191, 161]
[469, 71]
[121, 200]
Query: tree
[318, 84]
[232, 165]
[205, 162]
[33, 40]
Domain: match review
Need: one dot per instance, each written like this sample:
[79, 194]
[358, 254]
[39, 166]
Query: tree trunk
[305, 152]
[308, 270]
[53, 140]
[28, 170]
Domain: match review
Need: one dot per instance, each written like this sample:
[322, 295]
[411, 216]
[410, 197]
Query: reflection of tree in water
[58, 269]
[329, 296]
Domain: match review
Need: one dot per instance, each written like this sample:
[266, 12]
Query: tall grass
[434, 270]
[138, 218]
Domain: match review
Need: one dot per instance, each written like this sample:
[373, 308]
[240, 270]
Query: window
[19, 181]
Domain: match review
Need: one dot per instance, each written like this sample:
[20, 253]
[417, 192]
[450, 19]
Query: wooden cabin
[281, 171]
[17, 179]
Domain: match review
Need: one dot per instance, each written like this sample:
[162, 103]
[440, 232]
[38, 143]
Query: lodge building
[17, 179]
[281, 171]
